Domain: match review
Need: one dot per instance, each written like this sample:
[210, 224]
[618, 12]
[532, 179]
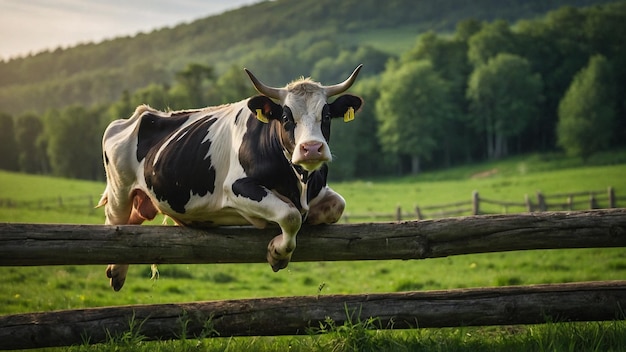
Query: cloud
[30, 26]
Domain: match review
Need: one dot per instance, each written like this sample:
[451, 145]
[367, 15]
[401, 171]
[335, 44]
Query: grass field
[27, 289]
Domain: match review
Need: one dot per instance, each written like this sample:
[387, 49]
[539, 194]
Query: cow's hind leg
[326, 208]
[142, 209]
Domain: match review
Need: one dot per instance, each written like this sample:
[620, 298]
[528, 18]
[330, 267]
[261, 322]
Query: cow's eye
[288, 122]
[326, 113]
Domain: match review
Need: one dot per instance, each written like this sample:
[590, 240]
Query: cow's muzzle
[311, 150]
[311, 155]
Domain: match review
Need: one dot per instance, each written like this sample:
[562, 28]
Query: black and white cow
[251, 162]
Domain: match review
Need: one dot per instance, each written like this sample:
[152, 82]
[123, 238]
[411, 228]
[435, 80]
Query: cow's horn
[345, 85]
[276, 93]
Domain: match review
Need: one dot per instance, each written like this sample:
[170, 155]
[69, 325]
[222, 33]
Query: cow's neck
[299, 171]
[304, 175]
[304, 178]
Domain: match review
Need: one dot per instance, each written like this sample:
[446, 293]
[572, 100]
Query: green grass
[28, 289]
[510, 180]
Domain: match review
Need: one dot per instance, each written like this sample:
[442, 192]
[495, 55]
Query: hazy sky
[30, 26]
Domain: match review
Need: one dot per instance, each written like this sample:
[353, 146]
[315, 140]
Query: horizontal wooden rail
[295, 315]
[39, 244]
[449, 205]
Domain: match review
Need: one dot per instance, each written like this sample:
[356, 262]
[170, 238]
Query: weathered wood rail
[44, 244]
[295, 315]
[39, 244]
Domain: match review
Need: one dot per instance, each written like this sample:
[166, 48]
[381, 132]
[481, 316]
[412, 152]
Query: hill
[252, 36]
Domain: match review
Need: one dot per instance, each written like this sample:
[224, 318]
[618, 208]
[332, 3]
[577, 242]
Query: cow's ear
[345, 106]
[264, 108]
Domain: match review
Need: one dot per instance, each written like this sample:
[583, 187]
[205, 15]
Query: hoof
[117, 274]
[276, 258]
[277, 264]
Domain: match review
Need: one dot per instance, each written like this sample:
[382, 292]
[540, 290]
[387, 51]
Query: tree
[28, 133]
[355, 144]
[155, 95]
[504, 95]
[331, 69]
[74, 142]
[232, 86]
[492, 39]
[587, 112]
[556, 48]
[414, 102]
[192, 79]
[121, 109]
[449, 59]
[8, 147]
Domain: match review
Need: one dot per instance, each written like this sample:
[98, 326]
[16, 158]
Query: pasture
[27, 289]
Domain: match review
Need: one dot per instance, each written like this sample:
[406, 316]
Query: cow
[259, 161]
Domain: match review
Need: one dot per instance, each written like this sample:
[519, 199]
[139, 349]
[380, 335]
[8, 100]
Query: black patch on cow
[317, 181]
[237, 117]
[262, 158]
[326, 116]
[249, 188]
[183, 166]
[289, 129]
[154, 128]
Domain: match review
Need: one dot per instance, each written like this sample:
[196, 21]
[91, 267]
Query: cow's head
[304, 115]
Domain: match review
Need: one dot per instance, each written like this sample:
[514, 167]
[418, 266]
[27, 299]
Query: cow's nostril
[312, 148]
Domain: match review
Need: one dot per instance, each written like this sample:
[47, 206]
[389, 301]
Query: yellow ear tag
[261, 117]
[349, 115]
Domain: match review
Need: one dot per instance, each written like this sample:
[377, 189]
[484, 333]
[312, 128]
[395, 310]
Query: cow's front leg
[255, 201]
[325, 208]
[281, 247]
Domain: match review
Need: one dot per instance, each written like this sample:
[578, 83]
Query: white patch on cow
[206, 137]
[181, 135]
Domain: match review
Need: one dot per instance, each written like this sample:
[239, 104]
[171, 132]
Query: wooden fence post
[475, 203]
[418, 213]
[529, 203]
[541, 202]
[399, 213]
[611, 197]
[570, 202]
[593, 203]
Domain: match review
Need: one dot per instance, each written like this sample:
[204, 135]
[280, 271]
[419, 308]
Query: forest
[439, 90]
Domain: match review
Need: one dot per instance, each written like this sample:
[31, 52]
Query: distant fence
[81, 203]
[582, 200]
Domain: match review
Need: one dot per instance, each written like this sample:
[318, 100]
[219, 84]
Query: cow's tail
[104, 199]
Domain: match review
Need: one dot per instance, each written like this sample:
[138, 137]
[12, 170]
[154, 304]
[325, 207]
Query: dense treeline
[487, 90]
[492, 89]
[254, 36]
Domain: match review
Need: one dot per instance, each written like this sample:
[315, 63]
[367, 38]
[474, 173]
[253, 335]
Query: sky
[31, 26]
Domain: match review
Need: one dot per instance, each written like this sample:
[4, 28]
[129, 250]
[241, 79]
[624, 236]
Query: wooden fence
[32, 244]
[75, 203]
[476, 204]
